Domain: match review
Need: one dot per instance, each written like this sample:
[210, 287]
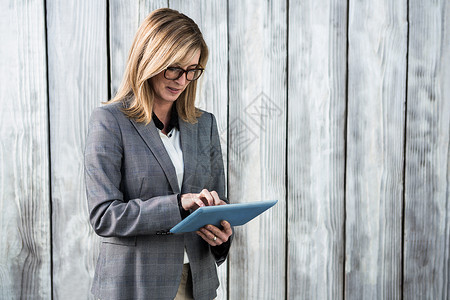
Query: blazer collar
[188, 137]
[151, 137]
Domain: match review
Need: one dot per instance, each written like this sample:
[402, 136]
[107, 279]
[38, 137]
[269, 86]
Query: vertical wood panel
[257, 143]
[147, 6]
[125, 17]
[123, 21]
[316, 153]
[211, 17]
[78, 83]
[24, 170]
[212, 96]
[376, 104]
[427, 208]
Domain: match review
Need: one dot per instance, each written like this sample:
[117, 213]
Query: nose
[182, 80]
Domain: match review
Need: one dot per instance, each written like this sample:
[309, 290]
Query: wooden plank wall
[25, 238]
[338, 109]
[427, 174]
[257, 145]
[375, 144]
[77, 74]
[316, 149]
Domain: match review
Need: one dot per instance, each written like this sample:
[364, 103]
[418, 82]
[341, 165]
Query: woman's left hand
[215, 236]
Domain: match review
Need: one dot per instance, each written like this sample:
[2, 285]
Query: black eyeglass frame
[182, 71]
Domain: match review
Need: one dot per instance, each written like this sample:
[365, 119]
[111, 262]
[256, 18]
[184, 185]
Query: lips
[173, 90]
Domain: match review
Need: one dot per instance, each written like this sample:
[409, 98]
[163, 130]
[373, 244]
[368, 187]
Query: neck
[163, 111]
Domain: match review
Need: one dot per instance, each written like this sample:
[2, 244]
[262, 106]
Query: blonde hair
[164, 38]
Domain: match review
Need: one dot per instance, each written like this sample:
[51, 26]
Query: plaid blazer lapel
[188, 136]
[150, 135]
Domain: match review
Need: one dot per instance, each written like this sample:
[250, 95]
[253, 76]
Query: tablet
[236, 214]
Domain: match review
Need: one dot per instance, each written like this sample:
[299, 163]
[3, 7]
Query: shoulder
[114, 109]
[207, 119]
[108, 112]
[207, 124]
[108, 119]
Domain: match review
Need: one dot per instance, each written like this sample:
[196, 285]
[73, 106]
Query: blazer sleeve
[218, 183]
[110, 215]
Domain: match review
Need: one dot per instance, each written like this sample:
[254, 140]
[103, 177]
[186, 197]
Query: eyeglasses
[173, 73]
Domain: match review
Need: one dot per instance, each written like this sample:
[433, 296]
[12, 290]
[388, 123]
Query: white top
[172, 143]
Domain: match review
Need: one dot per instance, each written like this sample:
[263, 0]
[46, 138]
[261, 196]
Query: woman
[151, 157]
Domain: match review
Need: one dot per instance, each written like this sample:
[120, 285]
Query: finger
[224, 233]
[207, 196]
[209, 238]
[194, 201]
[198, 201]
[216, 198]
[208, 233]
[212, 231]
[187, 202]
[203, 236]
[217, 236]
[226, 227]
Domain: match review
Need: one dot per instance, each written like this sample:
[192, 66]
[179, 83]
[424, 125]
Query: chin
[170, 99]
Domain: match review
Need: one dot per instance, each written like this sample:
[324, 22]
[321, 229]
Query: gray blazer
[132, 192]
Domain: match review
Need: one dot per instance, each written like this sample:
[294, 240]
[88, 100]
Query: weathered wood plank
[375, 143]
[147, 6]
[78, 83]
[123, 23]
[316, 148]
[212, 96]
[257, 144]
[211, 18]
[125, 17]
[427, 182]
[24, 170]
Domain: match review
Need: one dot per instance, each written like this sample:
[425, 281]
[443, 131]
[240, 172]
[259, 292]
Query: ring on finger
[215, 238]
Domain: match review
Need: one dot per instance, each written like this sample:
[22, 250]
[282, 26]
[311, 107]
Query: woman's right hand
[193, 201]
